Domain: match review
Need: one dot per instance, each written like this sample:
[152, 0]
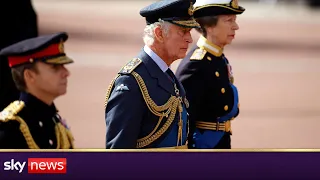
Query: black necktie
[171, 74]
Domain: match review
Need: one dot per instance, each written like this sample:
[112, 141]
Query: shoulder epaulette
[198, 54]
[10, 111]
[130, 66]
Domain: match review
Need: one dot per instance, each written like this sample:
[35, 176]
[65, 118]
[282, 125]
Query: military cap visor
[47, 48]
[179, 12]
[217, 7]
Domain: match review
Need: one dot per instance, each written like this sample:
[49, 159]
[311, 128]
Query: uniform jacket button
[217, 74]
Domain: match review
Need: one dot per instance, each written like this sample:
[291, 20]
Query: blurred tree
[18, 22]
[314, 3]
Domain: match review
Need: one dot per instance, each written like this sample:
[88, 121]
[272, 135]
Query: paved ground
[275, 58]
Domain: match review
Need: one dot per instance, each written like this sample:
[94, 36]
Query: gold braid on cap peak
[63, 135]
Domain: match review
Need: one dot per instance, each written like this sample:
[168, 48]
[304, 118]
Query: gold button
[226, 107]
[209, 58]
[31, 60]
[223, 90]
[217, 74]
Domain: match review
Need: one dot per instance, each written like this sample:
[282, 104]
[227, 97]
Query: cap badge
[234, 4]
[61, 47]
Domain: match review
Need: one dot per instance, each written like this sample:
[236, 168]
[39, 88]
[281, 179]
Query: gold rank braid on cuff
[63, 135]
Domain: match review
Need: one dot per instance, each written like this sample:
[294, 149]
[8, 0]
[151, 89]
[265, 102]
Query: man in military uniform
[38, 70]
[207, 76]
[145, 103]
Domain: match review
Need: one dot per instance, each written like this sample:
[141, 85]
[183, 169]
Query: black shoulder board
[130, 66]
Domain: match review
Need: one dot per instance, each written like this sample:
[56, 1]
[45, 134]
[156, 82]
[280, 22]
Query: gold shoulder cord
[167, 110]
[63, 135]
[109, 91]
[128, 68]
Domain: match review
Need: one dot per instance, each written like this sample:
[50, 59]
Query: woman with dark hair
[207, 76]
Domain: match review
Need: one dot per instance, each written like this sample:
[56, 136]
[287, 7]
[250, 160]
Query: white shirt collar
[162, 65]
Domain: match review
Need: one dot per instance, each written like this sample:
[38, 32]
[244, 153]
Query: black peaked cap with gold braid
[178, 12]
[204, 8]
[45, 48]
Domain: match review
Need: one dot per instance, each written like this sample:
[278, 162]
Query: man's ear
[209, 30]
[29, 75]
[159, 34]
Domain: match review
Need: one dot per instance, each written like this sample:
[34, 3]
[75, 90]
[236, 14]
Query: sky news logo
[37, 165]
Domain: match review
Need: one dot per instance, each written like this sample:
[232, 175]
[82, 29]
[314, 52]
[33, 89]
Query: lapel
[156, 73]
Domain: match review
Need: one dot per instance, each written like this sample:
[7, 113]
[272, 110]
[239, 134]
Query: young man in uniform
[32, 121]
[207, 75]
